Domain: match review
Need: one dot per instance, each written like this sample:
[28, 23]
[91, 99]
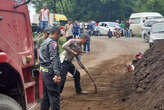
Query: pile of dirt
[145, 89]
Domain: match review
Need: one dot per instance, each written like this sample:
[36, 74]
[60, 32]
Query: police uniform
[66, 59]
[40, 39]
[50, 66]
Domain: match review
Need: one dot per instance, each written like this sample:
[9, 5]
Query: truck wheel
[7, 103]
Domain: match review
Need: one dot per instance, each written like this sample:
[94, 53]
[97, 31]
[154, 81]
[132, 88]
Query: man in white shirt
[44, 17]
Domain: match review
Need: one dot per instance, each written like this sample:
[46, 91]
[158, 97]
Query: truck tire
[7, 103]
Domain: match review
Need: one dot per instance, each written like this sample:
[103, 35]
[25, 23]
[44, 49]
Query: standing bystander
[68, 30]
[44, 17]
[127, 32]
[122, 26]
[76, 29]
[110, 34]
[87, 47]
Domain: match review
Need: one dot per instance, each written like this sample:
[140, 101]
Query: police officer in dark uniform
[46, 33]
[50, 66]
[39, 40]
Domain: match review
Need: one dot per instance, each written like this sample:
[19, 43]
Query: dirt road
[107, 63]
[106, 49]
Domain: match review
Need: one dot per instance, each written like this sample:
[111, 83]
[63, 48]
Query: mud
[108, 65]
[145, 89]
[107, 76]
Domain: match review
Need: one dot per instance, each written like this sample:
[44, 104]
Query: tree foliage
[150, 6]
[101, 10]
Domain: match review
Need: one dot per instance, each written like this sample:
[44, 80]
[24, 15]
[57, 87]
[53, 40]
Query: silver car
[157, 33]
[104, 27]
[146, 28]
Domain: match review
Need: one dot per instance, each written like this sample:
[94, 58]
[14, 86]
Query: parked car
[157, 33]
[146, 28]
[104, 27]
[138, 19]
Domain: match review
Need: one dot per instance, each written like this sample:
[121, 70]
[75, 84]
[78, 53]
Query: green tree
[150, 6]
[51, 4]
[102, 10]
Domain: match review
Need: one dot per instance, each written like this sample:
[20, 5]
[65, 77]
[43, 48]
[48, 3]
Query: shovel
[86, 70]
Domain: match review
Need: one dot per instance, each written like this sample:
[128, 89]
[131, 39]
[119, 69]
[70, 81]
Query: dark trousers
[87, 46]
[43, 25]
[109, 36]
[69, 67]
[74, 35]
[127, 33]
[51, 93]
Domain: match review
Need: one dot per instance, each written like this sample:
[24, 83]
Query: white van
[137, 20]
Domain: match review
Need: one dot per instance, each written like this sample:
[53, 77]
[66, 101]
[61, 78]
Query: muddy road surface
[107, 62]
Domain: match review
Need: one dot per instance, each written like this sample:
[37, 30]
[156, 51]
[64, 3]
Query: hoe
[86, 70]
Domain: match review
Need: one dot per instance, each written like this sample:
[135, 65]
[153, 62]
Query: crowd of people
[73, 30]
[123, 30]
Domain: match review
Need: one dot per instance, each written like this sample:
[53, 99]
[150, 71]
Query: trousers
[87, 46]
[67, 66]
[43, 25]
[51, 93]
[127, 33]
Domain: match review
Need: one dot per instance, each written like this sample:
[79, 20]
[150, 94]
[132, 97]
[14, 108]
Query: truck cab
[20, 83]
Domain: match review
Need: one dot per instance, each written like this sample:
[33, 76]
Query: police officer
[72, 48]
[46, 33]
[51, 70]
[41, 39]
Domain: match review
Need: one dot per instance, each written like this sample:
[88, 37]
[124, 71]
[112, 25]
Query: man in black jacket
[51, 70]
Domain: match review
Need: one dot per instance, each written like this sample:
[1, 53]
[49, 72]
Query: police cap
[54, 29]
[47, 30]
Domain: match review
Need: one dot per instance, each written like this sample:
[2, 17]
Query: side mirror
[1, 18]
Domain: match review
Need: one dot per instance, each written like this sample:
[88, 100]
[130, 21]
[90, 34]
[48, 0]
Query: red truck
[20, 82]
